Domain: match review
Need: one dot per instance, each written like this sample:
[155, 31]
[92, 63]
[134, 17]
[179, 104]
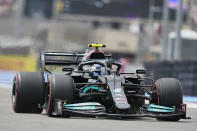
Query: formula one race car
[91, 84]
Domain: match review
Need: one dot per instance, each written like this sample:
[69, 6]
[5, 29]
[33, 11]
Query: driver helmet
[97, 70]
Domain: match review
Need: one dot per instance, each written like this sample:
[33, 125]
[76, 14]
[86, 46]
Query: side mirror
[141, 71]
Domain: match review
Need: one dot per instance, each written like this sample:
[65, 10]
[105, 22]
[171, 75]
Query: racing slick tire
[61, 87]
[28, 92]
[169, 93]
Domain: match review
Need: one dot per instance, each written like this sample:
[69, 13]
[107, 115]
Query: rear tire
[60, 87]
[27, 92]
[169, 93]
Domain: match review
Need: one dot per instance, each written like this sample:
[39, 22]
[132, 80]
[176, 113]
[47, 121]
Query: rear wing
[45, 61]
[51, 61]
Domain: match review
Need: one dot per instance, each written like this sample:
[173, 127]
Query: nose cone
[123, 106]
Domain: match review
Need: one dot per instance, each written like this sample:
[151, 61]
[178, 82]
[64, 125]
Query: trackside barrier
[185, 71]
[18, 63]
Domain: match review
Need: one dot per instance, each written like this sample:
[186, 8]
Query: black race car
[91, 84]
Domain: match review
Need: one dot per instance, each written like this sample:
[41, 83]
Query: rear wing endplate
[45, 61]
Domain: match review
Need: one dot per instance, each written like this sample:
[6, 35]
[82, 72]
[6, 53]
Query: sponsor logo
[121, 99]
[118, 95]
[117, 90]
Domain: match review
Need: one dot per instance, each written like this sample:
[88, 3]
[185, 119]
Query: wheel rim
[14, 93]
[47, 95]
[48, 98]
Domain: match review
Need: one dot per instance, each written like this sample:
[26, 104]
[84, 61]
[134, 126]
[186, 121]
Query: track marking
[191, 105]
[5, 85]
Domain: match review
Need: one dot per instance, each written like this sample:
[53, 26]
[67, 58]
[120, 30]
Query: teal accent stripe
[159, 110]
[160, 107]
[90, 87]
[83, 104]
[82, 108]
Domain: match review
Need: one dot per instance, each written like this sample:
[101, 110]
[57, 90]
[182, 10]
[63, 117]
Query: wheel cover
[14, 91]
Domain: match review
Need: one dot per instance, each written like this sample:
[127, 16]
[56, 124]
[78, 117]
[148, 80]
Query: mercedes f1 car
[91, 84]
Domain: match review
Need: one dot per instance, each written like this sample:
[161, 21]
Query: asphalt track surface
[10, 121]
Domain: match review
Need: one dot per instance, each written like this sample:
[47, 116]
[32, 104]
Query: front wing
[96, 109]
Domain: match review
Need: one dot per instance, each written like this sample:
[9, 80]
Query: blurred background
[157, 35]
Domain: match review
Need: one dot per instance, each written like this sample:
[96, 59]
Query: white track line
[191, 105]
[5, 85]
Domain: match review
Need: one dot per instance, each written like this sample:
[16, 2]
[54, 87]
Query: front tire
[60, 87]
[169, 93]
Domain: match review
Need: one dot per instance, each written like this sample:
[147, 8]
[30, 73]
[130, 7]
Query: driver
[97, 70]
